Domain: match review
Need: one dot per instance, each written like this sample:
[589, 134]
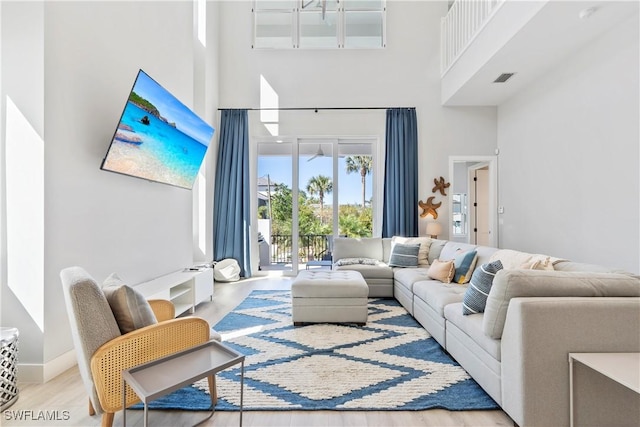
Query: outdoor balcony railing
[310, 247]
[461, 24]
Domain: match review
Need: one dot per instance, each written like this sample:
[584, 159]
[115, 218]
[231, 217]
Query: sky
[173, 109]
[279, 170]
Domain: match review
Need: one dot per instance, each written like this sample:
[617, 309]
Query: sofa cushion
[465, 263]
[472, 326]
[406, 277]
[536, 283]
[131, 310]
[425, 245]
[475, 298]
[379, 271]
[579, 266]
[368, 247]
[484, 254]
[436, 249]
[404, 255]
[386, 249]
[437, 294]
[442, 270]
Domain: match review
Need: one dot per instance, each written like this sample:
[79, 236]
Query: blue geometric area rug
[390, 364]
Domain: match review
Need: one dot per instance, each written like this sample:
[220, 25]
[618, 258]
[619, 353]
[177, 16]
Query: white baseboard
[41, 373]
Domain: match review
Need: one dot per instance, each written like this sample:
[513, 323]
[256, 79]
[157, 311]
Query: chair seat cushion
[129, 307]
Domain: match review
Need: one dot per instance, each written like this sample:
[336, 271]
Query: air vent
[503, 77]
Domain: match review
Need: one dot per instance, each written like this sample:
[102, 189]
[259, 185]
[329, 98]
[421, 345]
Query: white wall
[206, 94]
[569, 157]
[404, 74]
[99, 220]
[22, 93]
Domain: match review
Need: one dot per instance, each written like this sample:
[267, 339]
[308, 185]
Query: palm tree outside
[320, 185]
[363, 165]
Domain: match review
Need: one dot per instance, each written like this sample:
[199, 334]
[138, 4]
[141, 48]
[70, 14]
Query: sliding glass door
[310, 190]
[316, 185]
[275, 206]
[355, 195]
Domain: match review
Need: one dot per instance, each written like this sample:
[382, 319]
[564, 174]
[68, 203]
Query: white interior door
[483, 216]
[482, 229]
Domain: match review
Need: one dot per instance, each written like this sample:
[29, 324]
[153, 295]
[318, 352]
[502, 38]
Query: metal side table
[160, 377]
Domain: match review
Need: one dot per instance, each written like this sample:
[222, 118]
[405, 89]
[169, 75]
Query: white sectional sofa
[517, 350]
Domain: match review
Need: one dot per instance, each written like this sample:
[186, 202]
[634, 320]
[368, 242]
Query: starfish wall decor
[440, 185]
[429, 207]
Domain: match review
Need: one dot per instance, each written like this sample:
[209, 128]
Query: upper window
[286, 24]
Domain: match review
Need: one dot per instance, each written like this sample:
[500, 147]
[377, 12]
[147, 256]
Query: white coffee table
[160, 377]
[623, 368]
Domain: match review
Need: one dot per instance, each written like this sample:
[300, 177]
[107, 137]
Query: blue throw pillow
[465, 262]
[404, 255]
[475, 298]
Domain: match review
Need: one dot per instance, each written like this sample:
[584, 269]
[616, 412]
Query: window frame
[296, 22]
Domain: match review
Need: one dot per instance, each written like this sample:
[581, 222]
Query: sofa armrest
[137, 347]
[539, 334]
[509, 284]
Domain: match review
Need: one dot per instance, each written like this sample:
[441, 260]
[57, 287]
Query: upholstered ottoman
[329, 296]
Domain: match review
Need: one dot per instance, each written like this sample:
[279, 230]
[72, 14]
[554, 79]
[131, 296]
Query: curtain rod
[315, 109]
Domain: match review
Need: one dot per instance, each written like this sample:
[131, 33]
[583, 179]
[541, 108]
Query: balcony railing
[310, 247]
[464, 20]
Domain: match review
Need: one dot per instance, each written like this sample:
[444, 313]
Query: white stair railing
[463, 21]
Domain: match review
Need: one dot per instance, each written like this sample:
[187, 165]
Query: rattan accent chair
[103, 353]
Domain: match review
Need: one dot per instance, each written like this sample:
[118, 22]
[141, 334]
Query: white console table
[185, 289]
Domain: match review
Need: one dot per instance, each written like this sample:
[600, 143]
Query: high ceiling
[554, 33]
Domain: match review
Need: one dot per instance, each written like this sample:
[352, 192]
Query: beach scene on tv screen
[158, 138]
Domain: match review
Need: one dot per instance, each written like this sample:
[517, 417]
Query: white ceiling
[554, 33]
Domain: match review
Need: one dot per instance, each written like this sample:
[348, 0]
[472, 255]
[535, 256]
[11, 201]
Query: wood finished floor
[64, 400]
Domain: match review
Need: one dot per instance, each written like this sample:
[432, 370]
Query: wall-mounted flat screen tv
[158, 138]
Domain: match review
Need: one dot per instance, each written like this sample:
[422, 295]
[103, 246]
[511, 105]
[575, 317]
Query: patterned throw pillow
[131, 310]
[425, 245]
[465, 262]
[354, 261]
[475, 298]
[442, 270]
[404, 255]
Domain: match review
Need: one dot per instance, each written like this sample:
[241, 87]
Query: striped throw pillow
[475, 297]
[404, 255]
